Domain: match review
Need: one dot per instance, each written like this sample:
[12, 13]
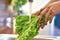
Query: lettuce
[26, 29]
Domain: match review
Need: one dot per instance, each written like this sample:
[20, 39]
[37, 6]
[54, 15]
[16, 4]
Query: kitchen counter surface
[38, 37]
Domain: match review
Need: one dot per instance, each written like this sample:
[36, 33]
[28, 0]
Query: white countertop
[45, 37]
[9, 35]
[38, 36]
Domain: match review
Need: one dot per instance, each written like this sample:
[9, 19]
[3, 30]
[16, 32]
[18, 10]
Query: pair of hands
[50, 11]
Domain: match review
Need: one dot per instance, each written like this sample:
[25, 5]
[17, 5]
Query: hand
[41, 20]
[38, 13]
[52, 10]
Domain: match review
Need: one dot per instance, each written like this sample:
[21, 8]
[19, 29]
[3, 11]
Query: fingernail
[41, 27]
[45, 23]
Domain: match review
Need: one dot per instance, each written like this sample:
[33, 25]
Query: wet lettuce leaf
[26, 29]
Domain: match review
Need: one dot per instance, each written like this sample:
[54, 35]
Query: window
[8, 22]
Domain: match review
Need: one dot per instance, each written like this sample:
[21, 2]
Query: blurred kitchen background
[7, 17]
[7, 14]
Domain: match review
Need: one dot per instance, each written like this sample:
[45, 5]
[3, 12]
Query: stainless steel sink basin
[33, 39]
[7, 36]
[42, 39]
[13, 36]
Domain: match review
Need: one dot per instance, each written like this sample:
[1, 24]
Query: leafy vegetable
[25, 28]
[43, 19]
[19, 3]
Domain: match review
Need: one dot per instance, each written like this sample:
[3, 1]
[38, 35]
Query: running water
[30, 7]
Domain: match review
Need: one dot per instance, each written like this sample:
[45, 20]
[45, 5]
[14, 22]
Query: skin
[51, 9]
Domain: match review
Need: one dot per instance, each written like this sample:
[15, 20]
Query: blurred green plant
[19, 3]
[9, 1]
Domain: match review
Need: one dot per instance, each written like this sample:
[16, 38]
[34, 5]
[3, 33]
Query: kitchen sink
[42, 39]
[8, 36]
[13, 36]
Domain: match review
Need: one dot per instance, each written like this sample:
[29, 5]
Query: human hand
[48, 13]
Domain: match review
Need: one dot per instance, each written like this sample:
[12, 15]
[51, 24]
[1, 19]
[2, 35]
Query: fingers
[41, 25]
[42, 13]
[39, 21]
[51, 16]
[47, 16]
[41, 18]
